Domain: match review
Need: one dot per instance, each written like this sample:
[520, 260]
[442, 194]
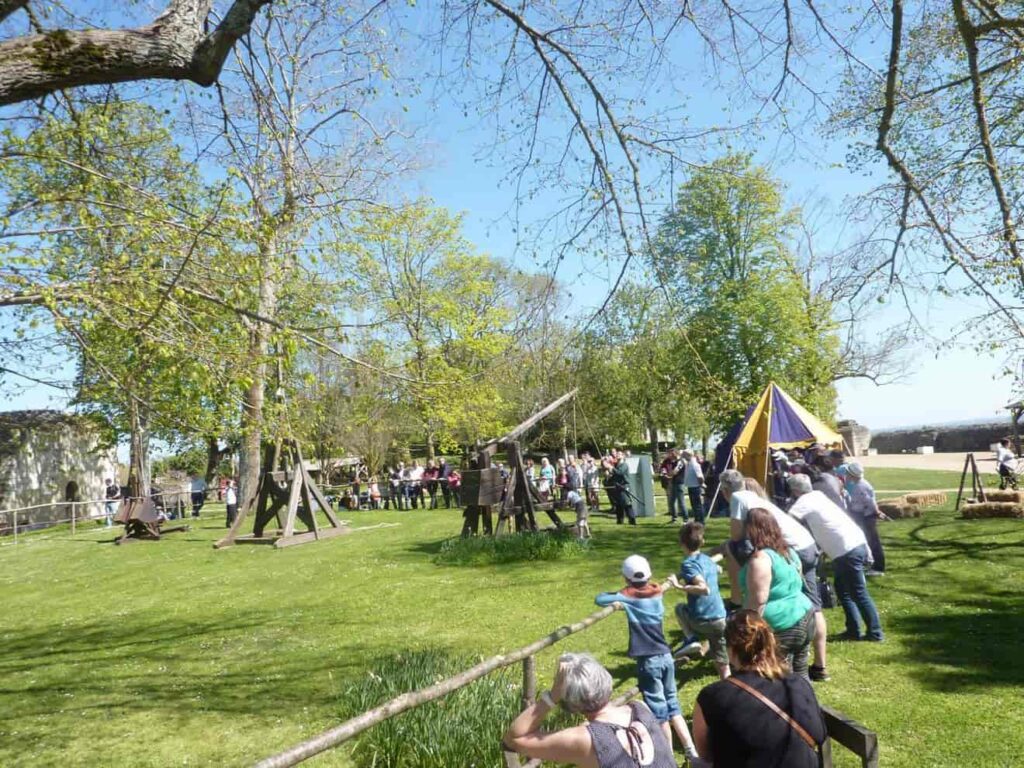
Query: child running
[655, 668]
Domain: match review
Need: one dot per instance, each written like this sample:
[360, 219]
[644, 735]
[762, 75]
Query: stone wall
[856, 436]
[47, 457]
[956, 438]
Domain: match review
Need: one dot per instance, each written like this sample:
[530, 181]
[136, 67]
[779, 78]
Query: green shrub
[461, 729]
[515, 548]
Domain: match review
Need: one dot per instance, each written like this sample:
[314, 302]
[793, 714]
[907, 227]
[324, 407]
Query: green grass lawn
[171, 653]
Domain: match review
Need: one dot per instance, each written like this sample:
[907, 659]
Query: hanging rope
[575, 442]
[593, 438]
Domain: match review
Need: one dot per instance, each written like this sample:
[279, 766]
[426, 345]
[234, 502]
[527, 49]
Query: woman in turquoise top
[772, 584]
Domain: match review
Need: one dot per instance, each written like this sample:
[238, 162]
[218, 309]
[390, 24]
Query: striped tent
[775, 421]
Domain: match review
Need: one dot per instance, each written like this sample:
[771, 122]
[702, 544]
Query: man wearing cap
[845, 544]
[655, 667]
[864, 510]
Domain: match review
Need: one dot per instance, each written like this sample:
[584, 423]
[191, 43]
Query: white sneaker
[690, 649]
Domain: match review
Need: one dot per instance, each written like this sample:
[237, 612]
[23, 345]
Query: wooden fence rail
[841, 729]
[342, 733]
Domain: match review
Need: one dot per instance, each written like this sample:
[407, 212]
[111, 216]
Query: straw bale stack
[987, 509]
[926, 498]
[1015, 497]
[899, 508]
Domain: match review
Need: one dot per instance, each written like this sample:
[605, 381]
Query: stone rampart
[952, 438]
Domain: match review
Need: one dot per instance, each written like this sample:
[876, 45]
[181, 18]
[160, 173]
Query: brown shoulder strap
[801, 731]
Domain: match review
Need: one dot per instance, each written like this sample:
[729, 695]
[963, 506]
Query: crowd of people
[767, 639]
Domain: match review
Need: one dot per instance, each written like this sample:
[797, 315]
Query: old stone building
[49, 458]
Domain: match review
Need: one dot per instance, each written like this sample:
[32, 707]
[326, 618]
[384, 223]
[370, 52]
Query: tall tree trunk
[213, 454]
[138, 451]
[250, 451]
[653, 434]
[430, 446]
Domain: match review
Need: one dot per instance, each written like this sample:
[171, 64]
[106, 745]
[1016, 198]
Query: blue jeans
[675, 499]
[656, 676]
[852, 589]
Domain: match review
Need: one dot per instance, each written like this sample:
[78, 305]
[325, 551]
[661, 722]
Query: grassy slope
[171, 653]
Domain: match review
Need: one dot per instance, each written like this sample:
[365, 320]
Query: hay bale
[1015, 497]
[899, 509]
[989, 509]
[927, 498]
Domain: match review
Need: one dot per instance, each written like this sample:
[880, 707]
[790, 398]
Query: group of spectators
[404, 486]
[763, 710]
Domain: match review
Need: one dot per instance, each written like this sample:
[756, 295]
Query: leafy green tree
[749, 316]
[443, 311]
[114, 231]
[632, 373]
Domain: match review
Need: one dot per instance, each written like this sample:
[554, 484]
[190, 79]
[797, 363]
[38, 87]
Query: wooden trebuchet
[291, 491]
[406, 701]
[521, 499]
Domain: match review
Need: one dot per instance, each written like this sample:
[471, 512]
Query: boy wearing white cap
[655, 667]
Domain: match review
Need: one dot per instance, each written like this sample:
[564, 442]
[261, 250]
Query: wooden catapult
[287, 494]
[142, 520]
[139, 514]
[517, 500]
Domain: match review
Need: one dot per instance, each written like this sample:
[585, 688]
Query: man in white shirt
[693, 480]
[1005, 463]
[231, 502]
[844, 542]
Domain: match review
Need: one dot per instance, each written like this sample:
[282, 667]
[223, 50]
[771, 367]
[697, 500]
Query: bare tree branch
[175, 46]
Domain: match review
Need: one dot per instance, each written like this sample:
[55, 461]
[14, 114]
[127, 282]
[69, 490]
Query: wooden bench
[852, 735]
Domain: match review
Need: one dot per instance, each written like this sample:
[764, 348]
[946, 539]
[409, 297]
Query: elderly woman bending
[613, 736]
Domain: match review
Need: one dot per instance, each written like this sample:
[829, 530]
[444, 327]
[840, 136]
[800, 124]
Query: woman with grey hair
[613, 736]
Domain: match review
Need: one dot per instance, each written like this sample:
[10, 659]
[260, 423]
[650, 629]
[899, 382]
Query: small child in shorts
[655, 667]
[702, 616]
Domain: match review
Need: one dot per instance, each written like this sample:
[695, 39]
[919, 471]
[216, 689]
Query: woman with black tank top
[613, 736]
[763, 715]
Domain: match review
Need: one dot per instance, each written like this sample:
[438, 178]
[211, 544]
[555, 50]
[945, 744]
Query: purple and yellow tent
[775, 421]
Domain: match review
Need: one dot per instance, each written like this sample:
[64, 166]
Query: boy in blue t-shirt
[702, 616]
[655, 668]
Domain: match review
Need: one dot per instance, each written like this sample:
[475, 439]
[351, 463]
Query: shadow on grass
[169, 666]
[977, 649]
[965, 627]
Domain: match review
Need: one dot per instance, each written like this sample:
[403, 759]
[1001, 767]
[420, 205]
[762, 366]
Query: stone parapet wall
[945, 439]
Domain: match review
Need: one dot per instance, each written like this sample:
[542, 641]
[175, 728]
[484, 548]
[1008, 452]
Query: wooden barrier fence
[841, 729]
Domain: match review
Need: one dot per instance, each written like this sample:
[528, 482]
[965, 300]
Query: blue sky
[943, 385]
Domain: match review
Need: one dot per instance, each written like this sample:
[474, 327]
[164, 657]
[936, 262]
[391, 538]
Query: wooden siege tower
[287, 494]
[482, 486]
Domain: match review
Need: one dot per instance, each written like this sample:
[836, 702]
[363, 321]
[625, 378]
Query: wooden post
[15, 527]
[529, 681]
[72, 518]
[963, 479]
